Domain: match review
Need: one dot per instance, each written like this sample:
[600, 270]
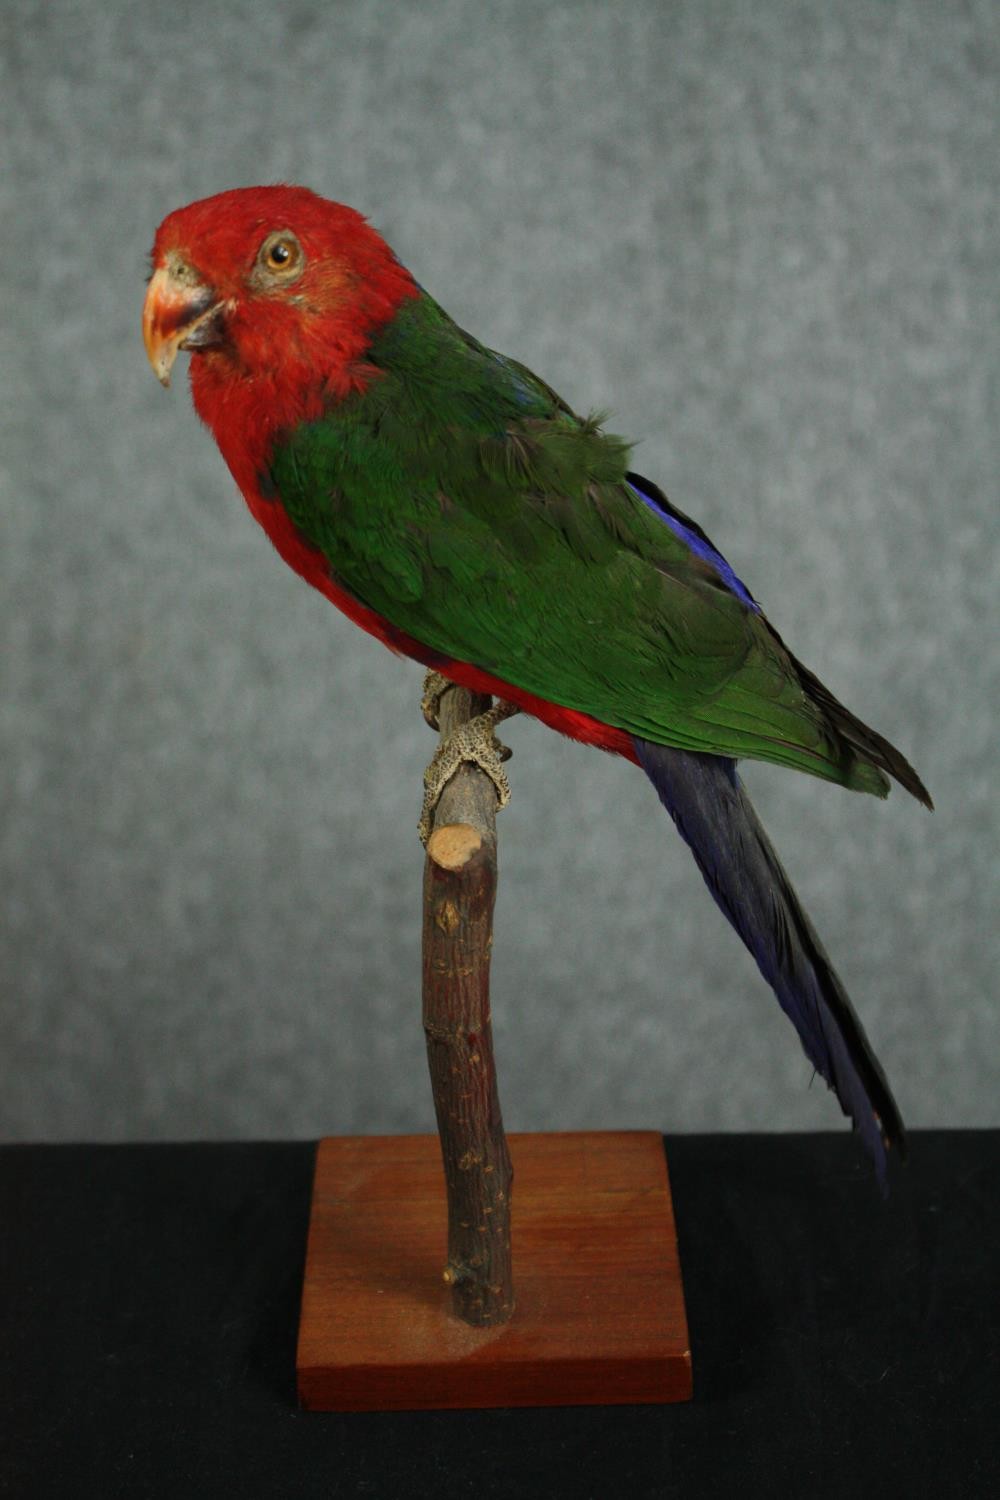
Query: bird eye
[281, 253]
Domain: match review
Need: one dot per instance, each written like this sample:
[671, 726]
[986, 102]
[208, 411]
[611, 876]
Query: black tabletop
[842, 1345]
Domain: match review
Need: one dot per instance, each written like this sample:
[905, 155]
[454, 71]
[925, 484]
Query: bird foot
[435, 686]
[474, 742]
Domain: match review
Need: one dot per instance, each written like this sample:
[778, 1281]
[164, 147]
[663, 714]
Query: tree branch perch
[460, 876]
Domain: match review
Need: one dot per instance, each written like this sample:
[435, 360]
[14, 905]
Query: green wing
[460, 499]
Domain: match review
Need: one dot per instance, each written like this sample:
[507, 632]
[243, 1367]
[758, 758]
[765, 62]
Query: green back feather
[463, 501]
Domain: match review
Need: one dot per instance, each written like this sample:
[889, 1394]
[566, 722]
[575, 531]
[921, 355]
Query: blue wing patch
[692, 535]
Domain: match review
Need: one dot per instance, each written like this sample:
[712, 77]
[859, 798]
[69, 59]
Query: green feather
[460, 499]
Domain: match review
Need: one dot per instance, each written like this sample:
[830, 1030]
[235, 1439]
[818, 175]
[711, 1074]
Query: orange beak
[178, 313]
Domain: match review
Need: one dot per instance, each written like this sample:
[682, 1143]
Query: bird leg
[474, 741]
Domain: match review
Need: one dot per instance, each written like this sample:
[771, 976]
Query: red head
[276, 292]
[270, 284]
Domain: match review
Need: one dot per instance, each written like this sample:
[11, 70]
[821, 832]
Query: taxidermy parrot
[451, 504]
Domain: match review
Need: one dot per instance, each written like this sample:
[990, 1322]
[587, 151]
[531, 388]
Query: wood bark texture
[460, 875]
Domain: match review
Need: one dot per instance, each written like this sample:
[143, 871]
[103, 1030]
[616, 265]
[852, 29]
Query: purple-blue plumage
[690, 533]
[705, 797]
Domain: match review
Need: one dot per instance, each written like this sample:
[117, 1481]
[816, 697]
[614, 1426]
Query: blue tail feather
[705, 797]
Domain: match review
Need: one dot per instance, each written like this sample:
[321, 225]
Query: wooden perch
[601, 1309]
[460, 876]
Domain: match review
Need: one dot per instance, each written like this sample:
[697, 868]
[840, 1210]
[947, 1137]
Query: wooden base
[599, 1315]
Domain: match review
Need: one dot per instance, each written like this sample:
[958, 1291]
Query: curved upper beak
[178, 313]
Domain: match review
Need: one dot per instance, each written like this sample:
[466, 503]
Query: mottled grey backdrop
[765, 236]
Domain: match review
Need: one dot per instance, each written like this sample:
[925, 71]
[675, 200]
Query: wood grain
[600, 1312]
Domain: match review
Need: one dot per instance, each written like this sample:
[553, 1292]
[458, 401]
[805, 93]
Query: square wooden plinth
[600, 1308]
